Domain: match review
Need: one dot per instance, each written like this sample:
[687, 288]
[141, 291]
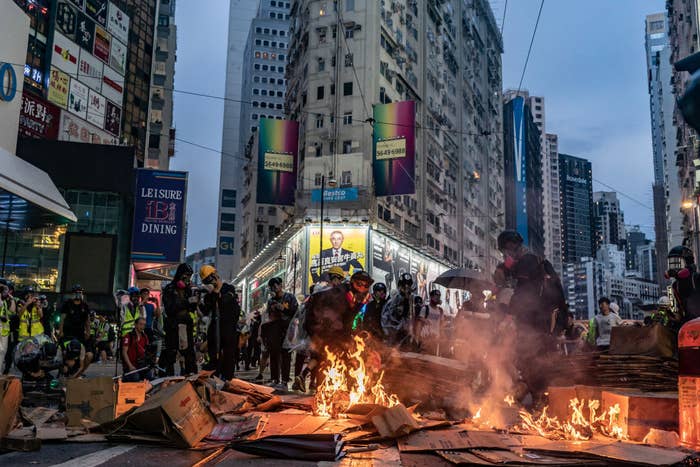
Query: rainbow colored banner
[278, 144]
[394, 157]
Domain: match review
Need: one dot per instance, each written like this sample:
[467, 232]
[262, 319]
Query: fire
[509, 400]
[347, 382]
[477, 416]
[578, 427]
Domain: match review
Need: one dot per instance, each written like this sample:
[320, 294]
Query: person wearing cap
[221, 305]
[372, 321]
[398, 316]
[177, 301]
[336, 276]
[75, 317]
[30, 316]
[287, 305]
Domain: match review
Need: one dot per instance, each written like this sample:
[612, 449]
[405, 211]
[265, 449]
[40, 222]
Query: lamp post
[331, 183]
[294, 273]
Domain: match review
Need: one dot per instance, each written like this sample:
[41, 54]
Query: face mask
[509, 262]
[180, 285]
[209, 287]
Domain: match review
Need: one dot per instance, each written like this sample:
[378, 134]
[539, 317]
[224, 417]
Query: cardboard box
[90, 398]
[10, 400]
[559, 398]
[176, 412]
[655, 341]
[639, 412]
[129, 395]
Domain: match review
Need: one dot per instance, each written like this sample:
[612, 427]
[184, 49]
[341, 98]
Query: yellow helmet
[206, 271]
[337, 271]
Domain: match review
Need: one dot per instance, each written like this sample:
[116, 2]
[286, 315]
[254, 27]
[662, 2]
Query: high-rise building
[635, 240]
[684, 40]
[522, 169]
[609, 220]
[668, 218]
[646, 261]
[446, 57]
[553, 240]
[584, 285]
[161, 134]
[576, 187]
[241, 14]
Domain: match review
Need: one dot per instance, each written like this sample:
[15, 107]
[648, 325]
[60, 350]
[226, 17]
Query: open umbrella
[464, 279]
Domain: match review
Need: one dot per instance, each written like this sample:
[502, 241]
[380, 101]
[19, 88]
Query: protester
[45, 315]
[604, 322]
[76, 359]
[134, 345]
[131, 311]
[7, 310]
[221, 305]
[429, 324]
[253, 351]
[336, 276]
[372, 321]
[147, 310]
[272, 334]
[358, 296]
[102, 329]
[12, 304]
[287, 305]
[398, 316]
[75, 317]
[157, 328]
[30, 316]
[177, 301]
[572, 335]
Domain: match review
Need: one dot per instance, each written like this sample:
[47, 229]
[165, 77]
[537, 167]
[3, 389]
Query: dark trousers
[299, 360]
[223, 362]
[252, 353]
[275, 363]
[168, 356]
[286, 363]
[9, 356]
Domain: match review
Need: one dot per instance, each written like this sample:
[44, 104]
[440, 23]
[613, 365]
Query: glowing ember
[478, 415]
[578, 426]
[509, 400]
[347, 382]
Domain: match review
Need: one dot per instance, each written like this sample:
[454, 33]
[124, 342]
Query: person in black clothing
[537, 304]
[253, 352]
[75, 318]
[287, 305]
[221, 304]
[272, 334]
[177, 301]
[372, 321]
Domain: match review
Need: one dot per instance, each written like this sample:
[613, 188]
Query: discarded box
[639, 412]
[559, 398]
[129, 395]
[90, 398]
[177, 413]
[10, 400]
[655, 341]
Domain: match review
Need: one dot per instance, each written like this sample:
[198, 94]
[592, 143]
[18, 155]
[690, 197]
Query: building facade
[635, 240]
[198, 259]
[584, 285]
[609, 220]
[348, 55]
[553, 240]
[161, 133]
[523, 171]
[577, 221]
[241, 14]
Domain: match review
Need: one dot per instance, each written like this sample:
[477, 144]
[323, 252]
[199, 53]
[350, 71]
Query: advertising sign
[113, 118]
[64, 54]
[343, 246]
[294, 256]
[226, 246]
[159, 216]
[97, 109]
[97, 9]
[102, 44]
[85, 34]
[58, 87]
[117, 56]
[117, 23]
[90, 71]
[394, 141]
[66, 19]
[113, 86]
[277, 161]
[520, 175]
[335, 195]
[76, 130]
[38, 119]
[78, 98]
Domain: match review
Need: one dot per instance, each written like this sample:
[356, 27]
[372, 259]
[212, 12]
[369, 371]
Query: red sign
[38, 118]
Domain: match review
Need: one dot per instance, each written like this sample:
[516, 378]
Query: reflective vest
[30, 323]
[102, 331]
[130, 316]
[4, 314]
[193, 316]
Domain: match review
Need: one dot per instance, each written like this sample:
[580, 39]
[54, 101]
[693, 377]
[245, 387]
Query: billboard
[117, 23]
[65, 54]
[102, 41]
[38, 119]
[96, 109]
[342, 246]
[159, 216]
[294, 259]
[394, 154]
[77, 130]
[520, 176]
[277, 161]
[78, 99]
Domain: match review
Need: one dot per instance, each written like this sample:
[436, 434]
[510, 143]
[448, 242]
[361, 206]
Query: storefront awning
[28, 196]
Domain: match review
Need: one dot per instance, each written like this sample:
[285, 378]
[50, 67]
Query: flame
[509, 400]
[347, 384]
[578, 427]
[478, 415]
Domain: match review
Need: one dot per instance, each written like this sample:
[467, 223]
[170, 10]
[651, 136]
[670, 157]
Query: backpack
[552, 294]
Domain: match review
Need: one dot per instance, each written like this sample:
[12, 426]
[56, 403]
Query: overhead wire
[529, 50]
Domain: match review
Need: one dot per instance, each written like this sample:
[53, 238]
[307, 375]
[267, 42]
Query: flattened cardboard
[10, 400]
[456, 439]
[90, 398]
[129, 395]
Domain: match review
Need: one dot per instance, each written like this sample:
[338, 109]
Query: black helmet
[679, 257]
[361, 276]
[379, 287]
[509, 236]
[182, 269]
[274, 281]
[73, 349]
[405, 279]
[77, 288]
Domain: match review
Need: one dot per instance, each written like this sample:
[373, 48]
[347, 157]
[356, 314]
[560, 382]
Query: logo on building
[8, 82]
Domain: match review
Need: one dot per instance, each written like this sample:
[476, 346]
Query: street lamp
[331, 183]
[687, 204]
[281, 258]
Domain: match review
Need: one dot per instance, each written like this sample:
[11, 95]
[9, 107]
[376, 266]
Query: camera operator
[134, 346]
[30, 315]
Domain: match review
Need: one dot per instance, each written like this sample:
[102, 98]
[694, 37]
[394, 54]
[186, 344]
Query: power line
[624, 194]
[529, 50]
[503, 20]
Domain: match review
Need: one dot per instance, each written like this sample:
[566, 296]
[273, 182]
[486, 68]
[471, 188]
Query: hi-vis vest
[130, 317]
[4, 314]
[30, 323]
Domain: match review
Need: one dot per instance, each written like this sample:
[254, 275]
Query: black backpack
[552, 294]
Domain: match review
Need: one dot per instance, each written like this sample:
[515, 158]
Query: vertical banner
[394, 161]
[345, 247]
[159, 216]
[278, 144]
[520, 176]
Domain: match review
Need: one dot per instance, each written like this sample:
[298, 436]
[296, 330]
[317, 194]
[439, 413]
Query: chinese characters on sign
[38, 119]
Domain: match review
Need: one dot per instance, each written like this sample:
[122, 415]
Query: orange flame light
[347, 382]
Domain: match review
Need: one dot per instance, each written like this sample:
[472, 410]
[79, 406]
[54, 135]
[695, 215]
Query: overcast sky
[587, 61]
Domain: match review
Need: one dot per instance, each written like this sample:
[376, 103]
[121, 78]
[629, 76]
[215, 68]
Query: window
[318, 148]
[274, 32]
[280, 16]
[257, 41]
[322, 9]
[258, 30]
[163, 20]
[273, 44]
[319, 121]
[349, 5]
[333, 89]
[265, 67]
[347, 147]
[280, 69]
[348, 60]
[347, 89]
[347, 118]
[273, 3]
[256, 79]
[266, 43]
[317, 179]
[319, 92]
[322, 35]
[255, 103]
[278, 106]
[280, 94]
[257, 67]
[349, 33]
[280, 57]
[263, 105]
[228, 222]
[264, 80]
[154, 141]
[263, 92]
[267, 31]
[254, 116]
[272, 15]
[228, 198]
[280, 81]
[282, 33]
[257, 54]
[272, 211]
[346, 178]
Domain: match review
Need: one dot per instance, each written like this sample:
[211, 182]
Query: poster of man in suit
[343, 247]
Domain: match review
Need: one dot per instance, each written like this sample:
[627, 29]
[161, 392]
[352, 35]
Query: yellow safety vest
[102, 331]
[193, 316]
[30, 323]
[4, 313]
[130, 318]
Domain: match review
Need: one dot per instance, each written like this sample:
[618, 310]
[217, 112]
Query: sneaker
[259, 378]
[273, 384]
[283, 386]
[299, 384]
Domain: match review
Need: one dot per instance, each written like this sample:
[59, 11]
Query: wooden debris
[395, 422]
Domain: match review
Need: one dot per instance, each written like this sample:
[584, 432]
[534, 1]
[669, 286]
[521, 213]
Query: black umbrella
[464, 279]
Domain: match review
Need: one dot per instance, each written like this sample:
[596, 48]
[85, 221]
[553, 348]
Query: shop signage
[8, 82]
[38, 119]
[226, 245]
[335, 194]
